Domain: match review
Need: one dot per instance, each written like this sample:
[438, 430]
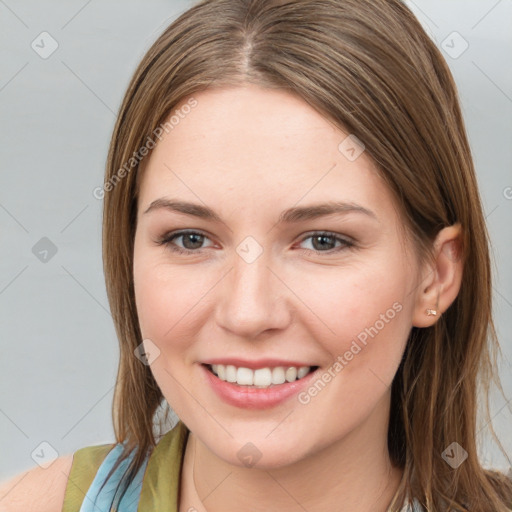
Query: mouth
[260, 378]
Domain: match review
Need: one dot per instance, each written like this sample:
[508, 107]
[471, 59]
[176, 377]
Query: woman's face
[270, 280]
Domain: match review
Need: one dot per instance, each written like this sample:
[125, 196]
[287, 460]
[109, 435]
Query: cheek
[167, 303]
[361, 316]
[344, 305]
[367, 319]
[162, 295]
[169, 300]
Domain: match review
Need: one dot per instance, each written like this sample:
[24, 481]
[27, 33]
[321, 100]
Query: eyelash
[168, 239]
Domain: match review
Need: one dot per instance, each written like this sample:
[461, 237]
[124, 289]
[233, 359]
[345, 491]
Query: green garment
[160, 485]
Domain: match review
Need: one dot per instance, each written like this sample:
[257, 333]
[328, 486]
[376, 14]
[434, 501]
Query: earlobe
[442, 278]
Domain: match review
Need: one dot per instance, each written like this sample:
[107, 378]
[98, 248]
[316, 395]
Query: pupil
[191, 236]
[321, 238]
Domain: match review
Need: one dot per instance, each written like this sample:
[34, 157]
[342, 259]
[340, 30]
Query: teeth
[262, 377]
[278, 375]
[230, 373]
[302, 372]
[244, 377]
[291, 374]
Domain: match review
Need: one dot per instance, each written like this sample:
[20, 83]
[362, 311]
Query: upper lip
[255, 363]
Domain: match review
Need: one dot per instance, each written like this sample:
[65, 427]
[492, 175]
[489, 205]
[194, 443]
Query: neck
[353, 474]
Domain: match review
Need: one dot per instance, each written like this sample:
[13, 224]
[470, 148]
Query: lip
[256, 364]
[245, 397]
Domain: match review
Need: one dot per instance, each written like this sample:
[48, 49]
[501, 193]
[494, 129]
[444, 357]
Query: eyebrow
[291, 215]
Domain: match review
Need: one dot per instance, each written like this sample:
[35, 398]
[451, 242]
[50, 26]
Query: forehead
[248, 146]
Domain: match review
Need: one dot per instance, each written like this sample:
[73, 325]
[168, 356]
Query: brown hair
[369, 67]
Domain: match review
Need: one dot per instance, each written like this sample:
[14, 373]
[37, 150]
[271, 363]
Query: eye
[325, 242]
[191, 240]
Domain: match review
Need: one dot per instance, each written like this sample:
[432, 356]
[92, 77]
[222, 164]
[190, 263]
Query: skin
[249, 153]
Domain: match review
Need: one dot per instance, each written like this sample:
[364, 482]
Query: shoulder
[55, 488]
[37, 489]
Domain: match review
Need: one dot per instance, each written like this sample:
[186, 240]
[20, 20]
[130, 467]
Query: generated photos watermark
[150, 143]
[357, 345]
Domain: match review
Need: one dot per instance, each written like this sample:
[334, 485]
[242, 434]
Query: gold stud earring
[431, 312]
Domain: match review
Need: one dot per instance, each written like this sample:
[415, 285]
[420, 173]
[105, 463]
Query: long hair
[369, 67]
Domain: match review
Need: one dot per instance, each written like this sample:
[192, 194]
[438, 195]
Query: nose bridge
[252, 298]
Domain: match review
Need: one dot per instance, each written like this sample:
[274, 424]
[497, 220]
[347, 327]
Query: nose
[252, 299]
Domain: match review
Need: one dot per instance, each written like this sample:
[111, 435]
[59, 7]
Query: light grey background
[59, 349]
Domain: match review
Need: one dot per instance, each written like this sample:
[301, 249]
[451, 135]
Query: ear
[441, 279]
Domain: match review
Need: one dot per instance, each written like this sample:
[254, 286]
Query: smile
[261, 387]
[261, 377]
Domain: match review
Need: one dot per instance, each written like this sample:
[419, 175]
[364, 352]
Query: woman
[297, 262]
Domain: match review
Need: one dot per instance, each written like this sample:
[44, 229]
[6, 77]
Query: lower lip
[255, 398]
